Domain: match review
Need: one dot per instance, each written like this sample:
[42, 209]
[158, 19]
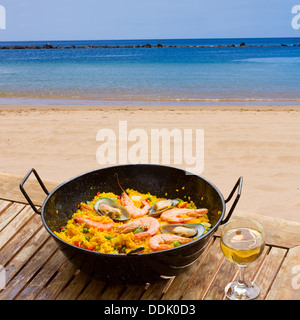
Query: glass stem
[241, 280]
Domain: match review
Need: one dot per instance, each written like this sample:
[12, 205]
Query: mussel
[188, 230]
[136, 250]
[109, 207]
[161, 206]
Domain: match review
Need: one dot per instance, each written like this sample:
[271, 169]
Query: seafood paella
[134, 222]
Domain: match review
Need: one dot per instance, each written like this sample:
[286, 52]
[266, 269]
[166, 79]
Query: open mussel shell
[187, 230]
[110, 208]
[136, 250]
[160, 206]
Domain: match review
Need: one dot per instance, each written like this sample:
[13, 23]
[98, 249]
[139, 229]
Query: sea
[178, 71]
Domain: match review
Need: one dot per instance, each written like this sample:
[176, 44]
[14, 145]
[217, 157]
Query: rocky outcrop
[148, 45]
[48, 46]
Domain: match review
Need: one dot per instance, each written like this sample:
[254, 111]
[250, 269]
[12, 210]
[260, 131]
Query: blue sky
[146, 19]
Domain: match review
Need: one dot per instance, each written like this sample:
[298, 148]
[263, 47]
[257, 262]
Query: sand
[260, 143]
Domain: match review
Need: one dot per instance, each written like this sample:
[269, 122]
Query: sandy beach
[260, 143]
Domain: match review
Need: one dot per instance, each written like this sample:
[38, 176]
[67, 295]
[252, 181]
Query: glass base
[248, 291]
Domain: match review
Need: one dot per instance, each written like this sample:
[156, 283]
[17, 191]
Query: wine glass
[242, 242]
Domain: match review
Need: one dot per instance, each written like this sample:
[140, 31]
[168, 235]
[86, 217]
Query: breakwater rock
[147, 45]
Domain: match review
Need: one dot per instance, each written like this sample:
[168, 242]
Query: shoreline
[262, 144]
[104, 107]
[48, 99]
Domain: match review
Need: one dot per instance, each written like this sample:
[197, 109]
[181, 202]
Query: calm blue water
[184, 74]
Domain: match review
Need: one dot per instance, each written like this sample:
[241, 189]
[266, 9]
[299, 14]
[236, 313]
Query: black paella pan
[62, 202]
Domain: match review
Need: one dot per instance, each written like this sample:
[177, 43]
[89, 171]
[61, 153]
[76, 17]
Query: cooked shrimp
[101, 226]
[132, 209]
[148, 223]
[178, 215]
[129, 204]
[163, 241]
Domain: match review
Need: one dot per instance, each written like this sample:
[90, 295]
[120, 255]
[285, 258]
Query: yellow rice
[110, 241]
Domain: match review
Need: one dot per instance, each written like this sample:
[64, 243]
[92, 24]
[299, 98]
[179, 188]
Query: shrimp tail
[142, 234]
[163, 247]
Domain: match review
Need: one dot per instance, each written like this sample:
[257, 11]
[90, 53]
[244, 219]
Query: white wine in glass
[242, 242]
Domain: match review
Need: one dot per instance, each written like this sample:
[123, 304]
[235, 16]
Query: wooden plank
[180, 282]
[205, 273]
[21, 239]
[10, 190]
[28, 271]
[93, 290]
[154, 290]
[26, 253]
[134, 292]
[34, 287]
[224, 275]
[4, 204]
[269, 270]
[286, 286]
[74, 288]
[113, 292]
[9, 213]
[58, 283]
[15, 225]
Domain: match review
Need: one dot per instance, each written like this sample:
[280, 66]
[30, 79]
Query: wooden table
[32, 267]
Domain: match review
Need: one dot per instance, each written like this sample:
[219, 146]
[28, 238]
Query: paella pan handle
[25, 193]
[238, 186]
